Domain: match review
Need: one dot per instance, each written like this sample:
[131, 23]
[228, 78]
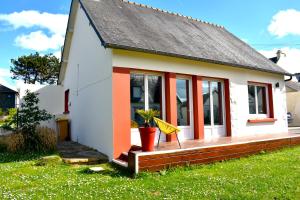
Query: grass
[266, 176]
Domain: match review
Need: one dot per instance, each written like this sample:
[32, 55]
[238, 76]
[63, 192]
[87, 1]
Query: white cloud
[4, 77]
[285, 22]
[290, 62]
[39, 41]
[55, 23]
[4, 72]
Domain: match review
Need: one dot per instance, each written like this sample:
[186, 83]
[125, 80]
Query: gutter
[290, 78]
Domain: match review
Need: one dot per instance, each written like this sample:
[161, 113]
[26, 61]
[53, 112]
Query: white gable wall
[238, 86]
[89, 79]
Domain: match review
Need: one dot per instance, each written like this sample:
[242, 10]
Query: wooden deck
[201, 152]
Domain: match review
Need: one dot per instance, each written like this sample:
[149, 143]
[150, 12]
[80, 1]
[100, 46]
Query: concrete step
[83, 161]
[75, 153]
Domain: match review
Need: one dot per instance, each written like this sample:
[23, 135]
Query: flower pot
[147, 138]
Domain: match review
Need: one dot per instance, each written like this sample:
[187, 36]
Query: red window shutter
[67, 101]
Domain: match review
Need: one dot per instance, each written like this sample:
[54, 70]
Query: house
[51, 99]
[121, 56]
[293, 102]
[7, 98]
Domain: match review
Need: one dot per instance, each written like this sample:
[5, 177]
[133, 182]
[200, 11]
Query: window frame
[267, 105]
[146, 74]
[212, 124]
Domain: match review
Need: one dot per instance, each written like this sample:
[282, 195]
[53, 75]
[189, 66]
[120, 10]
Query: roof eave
[124, 47]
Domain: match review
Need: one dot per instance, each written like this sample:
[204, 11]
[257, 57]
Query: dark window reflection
[261, 99]
[154, 93]
[251, 99]
[206, 102]
[183, 107]
[217, 102]
[137, 98]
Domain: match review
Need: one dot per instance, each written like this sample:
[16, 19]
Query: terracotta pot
[147, 138]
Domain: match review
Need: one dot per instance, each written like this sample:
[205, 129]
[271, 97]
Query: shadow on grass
[7, 157]
[112, 170]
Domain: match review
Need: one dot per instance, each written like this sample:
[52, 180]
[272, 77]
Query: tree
[36, 68]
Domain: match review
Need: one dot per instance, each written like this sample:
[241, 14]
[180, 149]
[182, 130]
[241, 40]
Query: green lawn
[266, 176]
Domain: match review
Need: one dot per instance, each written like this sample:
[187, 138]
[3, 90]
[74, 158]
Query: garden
[44, 176]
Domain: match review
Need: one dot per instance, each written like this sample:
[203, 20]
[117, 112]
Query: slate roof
[293, 85]
[4, 89]
[126, 25]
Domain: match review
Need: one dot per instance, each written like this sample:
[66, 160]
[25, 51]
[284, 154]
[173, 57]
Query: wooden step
[124, 156]
[135, 148]
[120, 163]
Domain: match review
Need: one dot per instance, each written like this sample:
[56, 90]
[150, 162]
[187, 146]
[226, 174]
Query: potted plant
[147, 132]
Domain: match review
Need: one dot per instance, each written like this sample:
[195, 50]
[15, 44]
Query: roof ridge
[172, 13]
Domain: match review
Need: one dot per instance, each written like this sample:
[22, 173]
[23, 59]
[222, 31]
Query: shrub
[8, 122]
[14, 142]
[47, 138]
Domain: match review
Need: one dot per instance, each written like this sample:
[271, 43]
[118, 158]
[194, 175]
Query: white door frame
[215, 131]
[187, 132]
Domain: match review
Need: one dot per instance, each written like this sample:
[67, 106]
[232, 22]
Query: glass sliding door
[213, 106]
[146, 92]
[184, 108]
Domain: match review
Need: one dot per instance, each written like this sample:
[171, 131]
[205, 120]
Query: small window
[67, 101]
[257, 98]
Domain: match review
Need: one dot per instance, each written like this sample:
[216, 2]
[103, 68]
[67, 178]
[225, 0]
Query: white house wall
[52, 100]
[293, 106]
[238, 86]
[89, 79]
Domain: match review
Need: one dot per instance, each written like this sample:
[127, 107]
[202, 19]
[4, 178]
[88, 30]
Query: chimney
[298, 76]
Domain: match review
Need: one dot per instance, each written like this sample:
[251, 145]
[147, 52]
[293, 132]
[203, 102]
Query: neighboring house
[51, 99]
[120, 56]
[7, 98]
[293, 102]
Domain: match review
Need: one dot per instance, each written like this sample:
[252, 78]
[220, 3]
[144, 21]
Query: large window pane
[206, 102]
[137, 98]
[217, 102]
[261, 99]
[183, 107]
[154, 93]
[251, 99]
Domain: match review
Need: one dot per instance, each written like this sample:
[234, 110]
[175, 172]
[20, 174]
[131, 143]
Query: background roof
[293, 85]
[6, 89]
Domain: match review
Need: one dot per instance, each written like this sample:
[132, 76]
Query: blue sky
[27, 26]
